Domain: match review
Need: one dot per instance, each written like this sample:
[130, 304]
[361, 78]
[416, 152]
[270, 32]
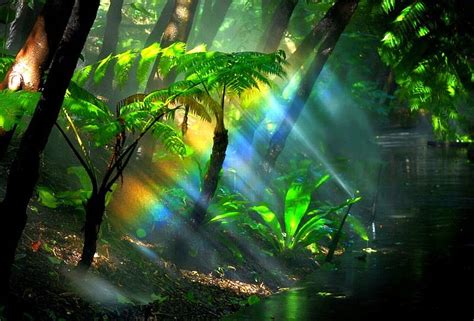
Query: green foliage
[75, 199]
[430, 62]
[122, 64]
[16, 105]
[299, 225]
[5, 64]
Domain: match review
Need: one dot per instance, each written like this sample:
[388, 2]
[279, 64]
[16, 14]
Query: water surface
[424, 238]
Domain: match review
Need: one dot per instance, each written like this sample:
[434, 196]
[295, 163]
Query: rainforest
[236, 160]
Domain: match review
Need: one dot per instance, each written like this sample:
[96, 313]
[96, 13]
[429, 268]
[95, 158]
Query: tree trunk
[159, 28]
[278, 25]
[95, 209]
[25, 168]
[111, 32]
[212, 20]
[35, 56]
[21, 25]
[335, 21]
[265, 7]
[109, 46]
[211, 179]
[177, 29]
[389, 88]
[315, 37]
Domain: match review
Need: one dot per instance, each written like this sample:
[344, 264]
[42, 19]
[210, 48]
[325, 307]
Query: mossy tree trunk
[332, 26]
[25, 168]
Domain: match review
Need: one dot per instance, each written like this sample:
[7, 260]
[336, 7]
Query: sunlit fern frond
[195, 107]
[170, 138]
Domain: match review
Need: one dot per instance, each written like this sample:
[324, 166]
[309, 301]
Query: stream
[422, 267]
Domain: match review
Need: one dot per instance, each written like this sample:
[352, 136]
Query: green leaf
[322, 180]
[225, 216]
[170, 138]
[82, 175]
[47, 197]
[270, 220]
[147, 58]
[357, 227]
[296, 204]
[122, 67]
[54, 260]
[101, 69]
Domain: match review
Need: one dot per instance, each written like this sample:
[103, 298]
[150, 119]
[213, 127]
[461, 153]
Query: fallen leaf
[35, 246]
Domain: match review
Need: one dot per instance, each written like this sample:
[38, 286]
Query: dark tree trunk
[109, 46]
[155, 36]
[177, 29]
[335, 21]
[211, 179]
[111, 32]
[278, 25]
[25, 168]
[21, 25]
[309, 43]
[6, 137]
[35, 56]
[211, 20]
[95, 209]
[159, 28]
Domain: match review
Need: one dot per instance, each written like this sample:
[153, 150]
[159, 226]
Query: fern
[170, 138]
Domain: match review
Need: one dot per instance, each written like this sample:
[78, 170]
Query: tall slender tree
[278, 25]
[159, 28]
[332, 26]
[25, 168]
[265, 7]
[177, 30]
[110, 41]
[212, 18]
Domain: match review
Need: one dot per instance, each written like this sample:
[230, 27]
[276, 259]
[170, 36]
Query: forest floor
[129, 280]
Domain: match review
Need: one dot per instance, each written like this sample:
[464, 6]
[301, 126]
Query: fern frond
[170, 138]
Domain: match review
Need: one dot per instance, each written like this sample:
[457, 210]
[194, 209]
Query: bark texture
[35, 55]
[278, 25]
[159, 28]
[112, 26]
[25, 168]
[177, 29]
[110, 41]
[95, 209]
[21, 25]
[211, 179]
[332, 26]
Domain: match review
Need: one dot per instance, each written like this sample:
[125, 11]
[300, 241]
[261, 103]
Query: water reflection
[423, 264]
